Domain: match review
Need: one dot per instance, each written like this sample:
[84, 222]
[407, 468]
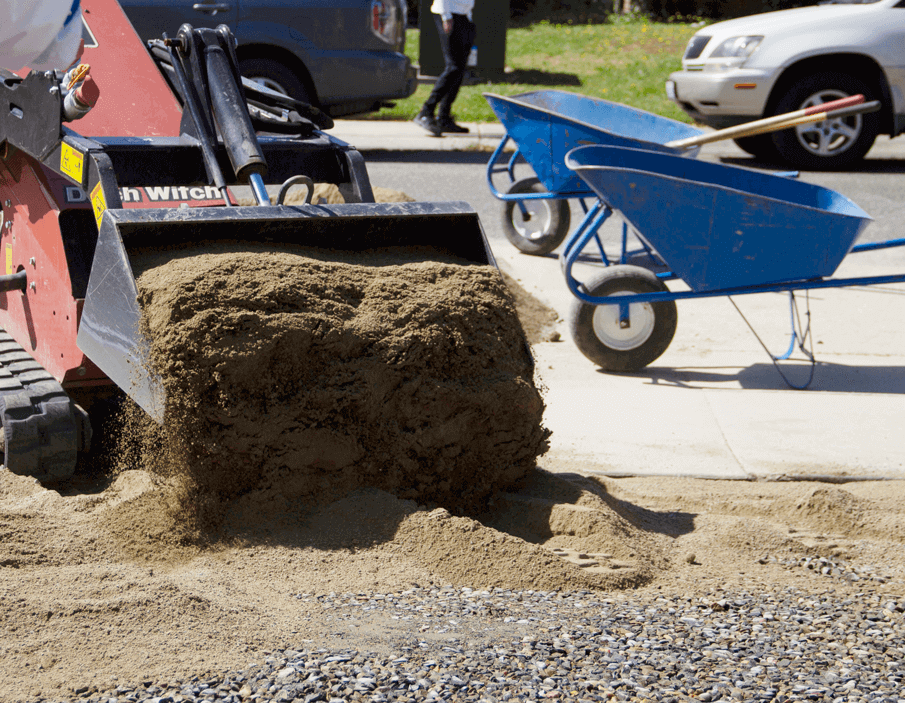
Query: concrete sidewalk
[390, 135]
[713, 405]
[387, 135]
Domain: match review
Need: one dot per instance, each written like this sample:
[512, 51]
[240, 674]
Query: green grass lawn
[626, 61]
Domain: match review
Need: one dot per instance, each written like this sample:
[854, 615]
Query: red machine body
[43, 318]
[135, 99]
[37, 204]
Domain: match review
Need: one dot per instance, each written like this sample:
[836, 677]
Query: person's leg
[460, 41]
[441, 87]
[445, 80]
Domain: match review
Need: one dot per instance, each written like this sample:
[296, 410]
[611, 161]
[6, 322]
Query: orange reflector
[745, 86]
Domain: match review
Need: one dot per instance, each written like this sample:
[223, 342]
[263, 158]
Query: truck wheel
[600, 337]
[831, 144]
[545, 226]
[278, 77]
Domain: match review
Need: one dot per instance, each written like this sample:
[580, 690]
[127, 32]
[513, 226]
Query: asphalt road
[440, 176]
[877, 186]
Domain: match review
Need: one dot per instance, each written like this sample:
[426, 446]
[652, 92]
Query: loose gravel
[461, 644]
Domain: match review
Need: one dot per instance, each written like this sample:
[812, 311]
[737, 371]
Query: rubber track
[41, 424]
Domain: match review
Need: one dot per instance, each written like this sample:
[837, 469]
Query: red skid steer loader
[153, 164]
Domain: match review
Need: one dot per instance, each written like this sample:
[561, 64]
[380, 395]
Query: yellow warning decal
[9, 259]
[71, 162]
[98, 203]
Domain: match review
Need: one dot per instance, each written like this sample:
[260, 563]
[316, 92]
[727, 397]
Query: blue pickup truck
[343, 56]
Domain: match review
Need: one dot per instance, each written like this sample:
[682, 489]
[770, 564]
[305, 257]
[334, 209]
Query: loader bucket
[109, 330]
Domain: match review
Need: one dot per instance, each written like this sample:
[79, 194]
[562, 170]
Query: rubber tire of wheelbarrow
[615, 280]
[560, 220]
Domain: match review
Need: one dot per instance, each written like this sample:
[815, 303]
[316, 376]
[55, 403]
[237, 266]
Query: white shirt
[447, 8]
[40, 34]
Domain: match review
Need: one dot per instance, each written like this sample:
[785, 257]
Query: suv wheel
[831, 144]
[276, 76]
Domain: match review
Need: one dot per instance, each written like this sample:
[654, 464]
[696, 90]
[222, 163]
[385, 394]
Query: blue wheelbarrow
[723, 230]
[544, 126]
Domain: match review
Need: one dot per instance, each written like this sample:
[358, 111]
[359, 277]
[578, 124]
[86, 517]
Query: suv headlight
[736, 48]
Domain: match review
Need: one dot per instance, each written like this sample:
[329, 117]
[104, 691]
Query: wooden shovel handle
[817, 113]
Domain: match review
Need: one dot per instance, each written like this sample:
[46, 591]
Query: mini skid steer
[174, 131]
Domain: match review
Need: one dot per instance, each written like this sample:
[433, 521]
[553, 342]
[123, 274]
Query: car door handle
[212, 8]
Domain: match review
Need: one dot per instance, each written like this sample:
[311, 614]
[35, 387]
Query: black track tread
[40, 421]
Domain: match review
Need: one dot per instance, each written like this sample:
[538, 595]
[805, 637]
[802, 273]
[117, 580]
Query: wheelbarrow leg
[625, 321]
[798, 339]
[624, 258]
[579, 239]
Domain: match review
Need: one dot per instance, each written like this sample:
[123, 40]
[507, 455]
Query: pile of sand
[328, 194]
[95, 585]
[316, 371]
[537, 319]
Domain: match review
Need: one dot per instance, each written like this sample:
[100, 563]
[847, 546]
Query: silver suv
[777, 62]
[343, 57]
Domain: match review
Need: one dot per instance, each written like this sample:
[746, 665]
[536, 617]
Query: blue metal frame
[589, 225]
[494, 168]
[576, 244]
[718, 196]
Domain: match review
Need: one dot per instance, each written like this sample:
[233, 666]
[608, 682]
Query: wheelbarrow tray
[718, 226]
[546, 124]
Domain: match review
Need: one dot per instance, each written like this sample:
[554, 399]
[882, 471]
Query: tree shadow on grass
[526, 76]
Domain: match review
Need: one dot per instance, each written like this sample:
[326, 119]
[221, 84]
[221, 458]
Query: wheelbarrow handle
[852, 105]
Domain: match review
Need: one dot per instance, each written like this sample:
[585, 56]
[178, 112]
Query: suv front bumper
[720, 98]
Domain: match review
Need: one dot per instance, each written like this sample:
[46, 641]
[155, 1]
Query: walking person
[457, 33]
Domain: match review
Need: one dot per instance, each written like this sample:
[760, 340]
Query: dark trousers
[456, 47]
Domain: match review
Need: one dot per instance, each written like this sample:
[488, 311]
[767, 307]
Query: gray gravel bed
[459, 644]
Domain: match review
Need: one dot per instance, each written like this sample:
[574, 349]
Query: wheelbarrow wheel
[543, 227]
[597, 331]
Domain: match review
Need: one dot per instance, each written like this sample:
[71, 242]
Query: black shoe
[446, 124]
[429, 124]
